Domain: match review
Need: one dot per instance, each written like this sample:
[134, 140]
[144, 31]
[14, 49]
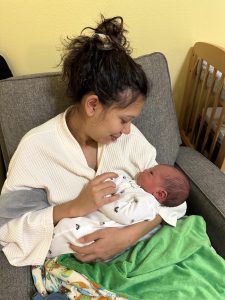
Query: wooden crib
[202, 119]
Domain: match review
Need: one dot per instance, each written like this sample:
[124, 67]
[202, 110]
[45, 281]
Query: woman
[71, 155]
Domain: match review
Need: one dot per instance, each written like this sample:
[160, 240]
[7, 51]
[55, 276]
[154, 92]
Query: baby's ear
[160, 195]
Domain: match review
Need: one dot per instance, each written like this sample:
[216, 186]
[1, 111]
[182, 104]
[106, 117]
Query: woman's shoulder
[42, 130]
[38, 140]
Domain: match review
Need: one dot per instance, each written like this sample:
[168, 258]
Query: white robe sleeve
[27, 239]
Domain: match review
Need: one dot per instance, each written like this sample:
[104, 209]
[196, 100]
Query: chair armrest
[207, 194]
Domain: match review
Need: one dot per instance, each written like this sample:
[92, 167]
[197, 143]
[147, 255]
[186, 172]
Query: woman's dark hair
[101, 63]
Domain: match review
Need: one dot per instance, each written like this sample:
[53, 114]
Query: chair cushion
[16, 283]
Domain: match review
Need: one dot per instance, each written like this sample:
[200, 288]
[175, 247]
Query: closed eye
[127, 119]
[124, 121]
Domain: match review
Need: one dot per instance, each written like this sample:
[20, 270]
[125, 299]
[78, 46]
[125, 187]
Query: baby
[141, 199]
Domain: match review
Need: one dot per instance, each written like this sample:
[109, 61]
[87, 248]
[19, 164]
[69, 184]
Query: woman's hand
[95, 194]
[107, 243]
[111, 241]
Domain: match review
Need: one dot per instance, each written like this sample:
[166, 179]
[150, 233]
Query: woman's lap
[15, 282]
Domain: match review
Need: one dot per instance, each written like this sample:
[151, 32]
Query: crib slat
[206, 104]
[204, 98]
[194, 97]
[199, 102]
[217, 131]
[212, 116]
[194, 77]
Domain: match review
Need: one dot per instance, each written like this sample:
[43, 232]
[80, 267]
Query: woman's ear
[91, 104]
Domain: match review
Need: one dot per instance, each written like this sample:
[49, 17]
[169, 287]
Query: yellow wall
[31, 30]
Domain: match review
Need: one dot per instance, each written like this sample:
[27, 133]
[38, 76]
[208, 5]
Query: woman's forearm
[108, 242]
[68, 209]
[138, 230]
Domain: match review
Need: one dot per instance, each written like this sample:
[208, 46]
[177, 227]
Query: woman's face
[108, 125]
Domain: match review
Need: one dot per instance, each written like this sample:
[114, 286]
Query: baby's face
[150, 179]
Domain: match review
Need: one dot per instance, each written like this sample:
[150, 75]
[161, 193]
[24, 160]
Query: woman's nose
[126, 128]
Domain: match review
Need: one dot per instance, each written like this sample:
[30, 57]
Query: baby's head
[167, 184]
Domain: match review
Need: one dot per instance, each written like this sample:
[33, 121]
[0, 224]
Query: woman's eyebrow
[129, 117]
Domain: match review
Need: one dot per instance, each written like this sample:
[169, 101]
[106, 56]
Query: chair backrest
[202, 120]
[2, 170]
[28, 101]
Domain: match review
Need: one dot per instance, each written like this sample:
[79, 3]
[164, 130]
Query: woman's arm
[90, 198]
[16, 203]
[27, 238]
[111, 241]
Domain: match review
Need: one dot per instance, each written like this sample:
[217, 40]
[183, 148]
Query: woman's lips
[115, 137]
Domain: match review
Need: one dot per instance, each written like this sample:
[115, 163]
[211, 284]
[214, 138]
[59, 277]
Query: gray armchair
[28, 101]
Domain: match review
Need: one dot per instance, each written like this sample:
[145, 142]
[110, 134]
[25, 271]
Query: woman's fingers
[108, 175]
[82, 250]
[103, 245]
[88, 253]
[110, 199]
[91, 237]
[87, 258]
[96, 193]
[88, 238]
[106, 185]
[104, 192]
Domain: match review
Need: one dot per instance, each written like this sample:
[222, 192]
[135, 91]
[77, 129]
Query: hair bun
[110, 34]
[99, 62]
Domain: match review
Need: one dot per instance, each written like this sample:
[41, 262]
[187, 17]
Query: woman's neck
[76, 123]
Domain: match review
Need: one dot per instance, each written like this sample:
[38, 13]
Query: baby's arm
[135, 205]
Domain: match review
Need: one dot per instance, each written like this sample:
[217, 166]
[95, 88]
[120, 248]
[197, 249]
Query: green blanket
[176, 263]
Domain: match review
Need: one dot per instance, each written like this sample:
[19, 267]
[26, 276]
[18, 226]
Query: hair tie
[106, 41]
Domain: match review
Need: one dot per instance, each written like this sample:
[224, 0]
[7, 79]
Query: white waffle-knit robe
[49, 157]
